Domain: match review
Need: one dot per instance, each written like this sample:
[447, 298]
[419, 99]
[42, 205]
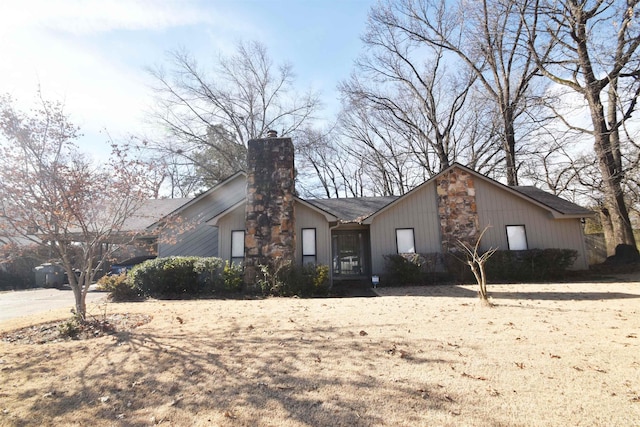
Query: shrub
[530, 265]
[209, 272]
[70, 329]
[286, 279]
[414, 269]
[232, 277]
[120, 288]
[178, 277]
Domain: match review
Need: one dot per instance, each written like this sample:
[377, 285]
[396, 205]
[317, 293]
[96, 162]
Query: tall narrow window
[237, 246]
[309, 246]
[405, 241]
[517, 237]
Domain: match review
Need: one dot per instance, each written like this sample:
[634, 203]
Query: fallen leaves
[481, 378]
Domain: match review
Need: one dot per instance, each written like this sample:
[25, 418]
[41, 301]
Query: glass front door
[349, 250]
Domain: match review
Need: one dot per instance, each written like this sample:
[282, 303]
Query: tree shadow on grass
[520, 291]
[145, 377]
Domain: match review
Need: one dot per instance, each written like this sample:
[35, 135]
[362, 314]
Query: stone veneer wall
[270, 222]
[457, 208]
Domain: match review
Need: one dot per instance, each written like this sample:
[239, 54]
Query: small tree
[53, 196]
[476, 262]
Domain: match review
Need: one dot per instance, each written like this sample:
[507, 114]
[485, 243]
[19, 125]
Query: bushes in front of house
[119, 287]
[287, 279]
[174, 277]
[185, 277]
[414, 269]
[530, 265]
[503, 266]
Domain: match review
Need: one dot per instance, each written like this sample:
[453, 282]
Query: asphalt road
[34, 301]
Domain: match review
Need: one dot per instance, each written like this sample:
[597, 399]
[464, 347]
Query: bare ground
[545, 355]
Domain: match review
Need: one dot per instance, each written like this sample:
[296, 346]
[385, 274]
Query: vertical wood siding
[308, 218]
[418, 210]
[233, 220]
[498, 208]
[194, 236]
[305, 218]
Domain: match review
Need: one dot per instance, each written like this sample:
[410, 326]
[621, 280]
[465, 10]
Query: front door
[350, 252]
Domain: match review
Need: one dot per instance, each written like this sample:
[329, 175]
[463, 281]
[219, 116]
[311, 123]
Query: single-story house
[256, 216]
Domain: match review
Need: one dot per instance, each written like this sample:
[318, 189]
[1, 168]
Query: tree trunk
[607, 229]
[510, 152]
[611, 171]
[81, 304]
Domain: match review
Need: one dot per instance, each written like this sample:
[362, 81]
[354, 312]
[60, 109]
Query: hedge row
[185, 277]
[503, 266]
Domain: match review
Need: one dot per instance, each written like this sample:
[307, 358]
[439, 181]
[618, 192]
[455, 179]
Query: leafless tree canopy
[590, 48]
[209, 115]
[52, 195]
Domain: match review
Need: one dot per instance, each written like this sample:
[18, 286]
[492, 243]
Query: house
[256, 216]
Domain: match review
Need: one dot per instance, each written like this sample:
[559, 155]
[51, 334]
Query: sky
[93, 55]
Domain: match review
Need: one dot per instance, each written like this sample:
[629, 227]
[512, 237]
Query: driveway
[34, 301]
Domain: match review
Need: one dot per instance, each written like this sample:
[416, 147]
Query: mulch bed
[72, 329]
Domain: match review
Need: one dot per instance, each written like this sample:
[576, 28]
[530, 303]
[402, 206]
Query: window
[405, 241]
[516, 238]
[308, 246]
[237, 246]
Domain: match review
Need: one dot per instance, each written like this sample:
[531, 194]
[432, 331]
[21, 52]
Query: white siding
[418, 210]
[499, 208]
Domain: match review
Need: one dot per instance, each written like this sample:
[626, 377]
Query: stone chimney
[457, 208]
[269, 218]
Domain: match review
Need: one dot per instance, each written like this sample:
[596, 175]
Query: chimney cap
[272, 133]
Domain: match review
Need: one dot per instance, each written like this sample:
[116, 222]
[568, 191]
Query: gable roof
[353, 209]
[556, 206]
[213, 189]
[328, 215]
[150, 212]
[559, 204]
[365, 209]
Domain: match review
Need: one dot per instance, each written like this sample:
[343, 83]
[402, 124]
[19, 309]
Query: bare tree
[326, 168]
[476, 260]
[211, 116]
[488, 37]
[51, 195]
[590, 47]
[409, 91]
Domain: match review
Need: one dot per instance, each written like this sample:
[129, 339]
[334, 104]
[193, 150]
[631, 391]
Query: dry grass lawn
[545, 355]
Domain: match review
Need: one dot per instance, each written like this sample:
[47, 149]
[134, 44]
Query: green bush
[178, 277]
[414, 269]
[209, 271]
[120, 288]
[232, 278]
[286, 279]
[530, 265]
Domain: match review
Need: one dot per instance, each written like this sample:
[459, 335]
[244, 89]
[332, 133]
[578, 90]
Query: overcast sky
[92, 54]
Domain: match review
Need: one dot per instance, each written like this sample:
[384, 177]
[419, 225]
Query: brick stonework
[270, 222]
[457, 208]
